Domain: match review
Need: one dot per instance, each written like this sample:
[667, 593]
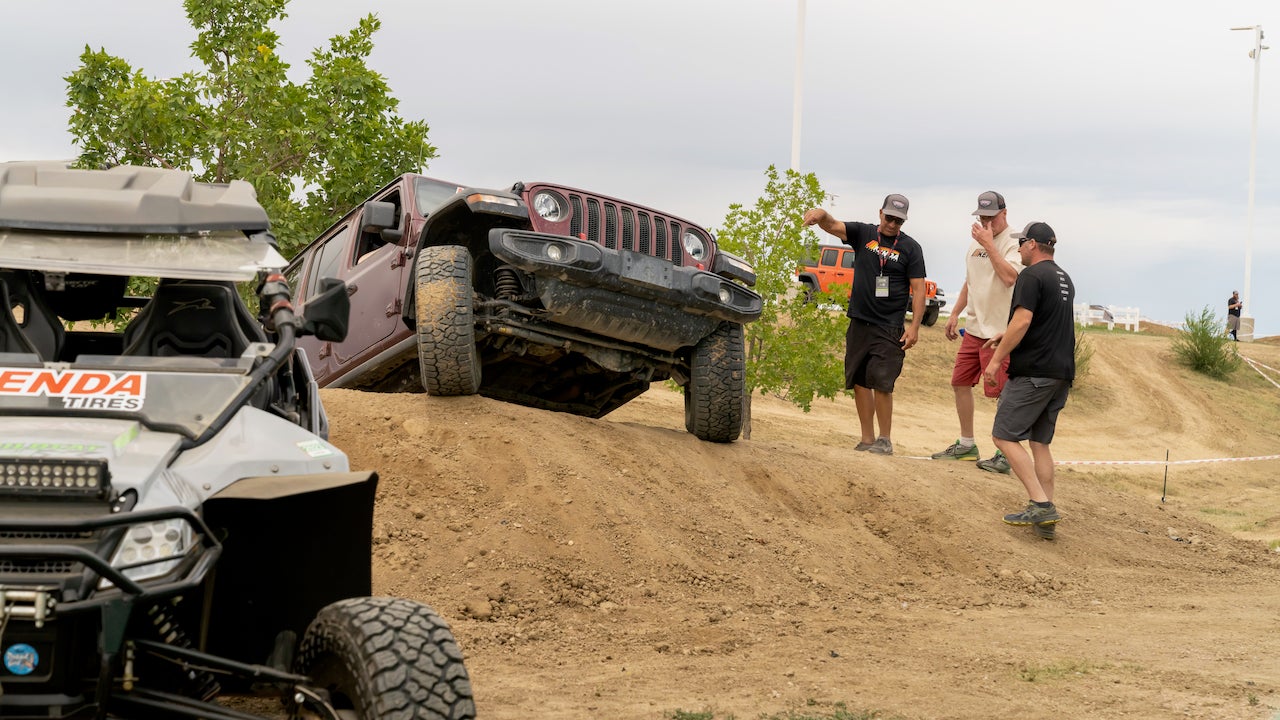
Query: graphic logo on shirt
[887, 253]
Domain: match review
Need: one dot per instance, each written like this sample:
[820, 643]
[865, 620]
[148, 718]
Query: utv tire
[717, 384]
[386, 658]
[448, 359]
[930, 316]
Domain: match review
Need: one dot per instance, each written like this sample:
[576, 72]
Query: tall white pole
[1256, 54]
[799, 89]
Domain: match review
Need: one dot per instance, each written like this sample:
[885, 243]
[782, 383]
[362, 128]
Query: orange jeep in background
[835, 267]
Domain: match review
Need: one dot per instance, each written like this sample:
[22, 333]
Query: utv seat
[40, 324]
[12, 339]
[196, 318]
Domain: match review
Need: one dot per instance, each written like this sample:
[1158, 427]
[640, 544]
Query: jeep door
[304, 273]
[833, 269]
[374, 270]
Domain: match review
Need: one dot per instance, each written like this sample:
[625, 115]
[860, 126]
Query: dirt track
[620, 568]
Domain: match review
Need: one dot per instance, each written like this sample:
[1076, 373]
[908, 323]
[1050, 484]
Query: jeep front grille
[625, 227]
[39, 567]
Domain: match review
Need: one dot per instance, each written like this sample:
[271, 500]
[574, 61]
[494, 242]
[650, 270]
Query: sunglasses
[893, 220]
[1025, 240]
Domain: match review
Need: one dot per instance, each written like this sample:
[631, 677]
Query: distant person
[1040, 344]
[1233, 315]
[888, 272]
[991, 266]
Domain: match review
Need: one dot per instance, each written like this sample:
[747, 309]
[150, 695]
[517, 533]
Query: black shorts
[1028, 409]
[873, 356]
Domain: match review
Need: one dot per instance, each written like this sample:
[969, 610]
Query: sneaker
[998, 463]
[1034, 515]
[957, 452]
[863, 446]
[881, 446]
[1045, 531]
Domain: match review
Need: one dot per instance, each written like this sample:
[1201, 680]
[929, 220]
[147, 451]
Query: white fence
[1126, 317]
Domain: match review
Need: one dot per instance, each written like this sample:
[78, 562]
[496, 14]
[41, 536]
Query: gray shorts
[1028, 409]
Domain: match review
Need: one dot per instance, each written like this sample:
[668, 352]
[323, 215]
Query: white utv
[175, 527]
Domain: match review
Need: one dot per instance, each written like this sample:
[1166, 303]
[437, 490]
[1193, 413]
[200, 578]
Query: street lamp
[1246, 320]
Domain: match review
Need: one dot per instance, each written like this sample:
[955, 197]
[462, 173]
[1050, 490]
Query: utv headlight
[48, 477]
[694, 245]
[550, 206]
[149, 550]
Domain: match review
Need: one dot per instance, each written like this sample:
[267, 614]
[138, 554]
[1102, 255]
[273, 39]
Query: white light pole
[799, 84]
[1256, 54]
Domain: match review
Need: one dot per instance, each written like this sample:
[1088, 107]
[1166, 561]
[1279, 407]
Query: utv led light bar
[48, 477]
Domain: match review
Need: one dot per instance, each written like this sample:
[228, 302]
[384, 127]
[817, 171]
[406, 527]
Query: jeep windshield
[431, 194]
[176, 394]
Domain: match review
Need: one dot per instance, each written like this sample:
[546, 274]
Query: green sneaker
[1034, 515]
[958, 452]
[998, 463]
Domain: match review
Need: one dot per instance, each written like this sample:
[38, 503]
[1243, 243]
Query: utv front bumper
[624, 295]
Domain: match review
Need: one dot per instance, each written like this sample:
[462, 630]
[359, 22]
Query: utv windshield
[213, 255]
[177, 394]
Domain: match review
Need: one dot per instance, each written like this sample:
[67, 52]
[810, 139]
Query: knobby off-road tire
[447, 355]
[385, 658]
[930, 316]
[717, 383]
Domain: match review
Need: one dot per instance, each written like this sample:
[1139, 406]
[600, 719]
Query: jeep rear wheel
[717, 384]
[447, 355]
[386, 657]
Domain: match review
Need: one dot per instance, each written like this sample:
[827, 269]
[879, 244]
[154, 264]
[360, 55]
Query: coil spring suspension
[200, 683]
[506, 283]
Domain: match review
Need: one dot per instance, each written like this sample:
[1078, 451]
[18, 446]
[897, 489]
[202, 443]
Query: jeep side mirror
[327, 312]
[380, 217]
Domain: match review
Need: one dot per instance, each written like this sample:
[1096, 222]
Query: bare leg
[1044, 468]
[884, 413]
[964, 409]
[1022, 466]
[864, 399]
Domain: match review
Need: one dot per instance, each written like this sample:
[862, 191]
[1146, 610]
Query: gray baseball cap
[990, 203]
[896, 205]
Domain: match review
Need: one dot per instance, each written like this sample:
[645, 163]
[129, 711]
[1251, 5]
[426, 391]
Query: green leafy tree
[793, 350]
[312, 150]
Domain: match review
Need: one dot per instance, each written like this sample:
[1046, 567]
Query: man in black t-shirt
[888, 273]
[1233, 314]
[1040, 343]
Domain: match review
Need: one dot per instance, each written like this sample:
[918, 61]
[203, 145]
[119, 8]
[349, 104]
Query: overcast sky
[1123, 124]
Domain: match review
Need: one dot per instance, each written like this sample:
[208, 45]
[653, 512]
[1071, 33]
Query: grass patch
[1060, 670]
[838, 711]
[1223, 512]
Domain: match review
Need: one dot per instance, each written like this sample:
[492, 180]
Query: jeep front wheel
[930, 316]
[386, 657]
[717, 384]
[447, 355]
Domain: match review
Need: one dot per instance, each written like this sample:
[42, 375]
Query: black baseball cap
[896, 205]
[1038, 231]
[990, 203]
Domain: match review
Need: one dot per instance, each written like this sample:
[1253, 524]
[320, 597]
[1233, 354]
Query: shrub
[1084, 353]
[1202, 346]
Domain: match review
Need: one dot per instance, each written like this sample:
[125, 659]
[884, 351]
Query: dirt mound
[620, 568]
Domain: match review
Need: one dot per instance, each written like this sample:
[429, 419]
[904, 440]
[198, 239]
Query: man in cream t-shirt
[991, 268]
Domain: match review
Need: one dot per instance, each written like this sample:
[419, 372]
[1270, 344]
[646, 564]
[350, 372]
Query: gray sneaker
[1034, 515]
[881, 446]
[998, 463]
[861, 446]
[958, 452]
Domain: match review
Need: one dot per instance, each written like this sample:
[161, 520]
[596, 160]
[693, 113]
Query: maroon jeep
[541, 295]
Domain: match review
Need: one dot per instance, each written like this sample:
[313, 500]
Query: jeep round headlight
[550, 206]
[694, 245]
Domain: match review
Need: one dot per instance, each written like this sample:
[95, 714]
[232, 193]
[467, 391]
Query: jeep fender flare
[465, 221]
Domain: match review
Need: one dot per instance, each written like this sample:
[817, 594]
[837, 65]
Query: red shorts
[971, 360]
